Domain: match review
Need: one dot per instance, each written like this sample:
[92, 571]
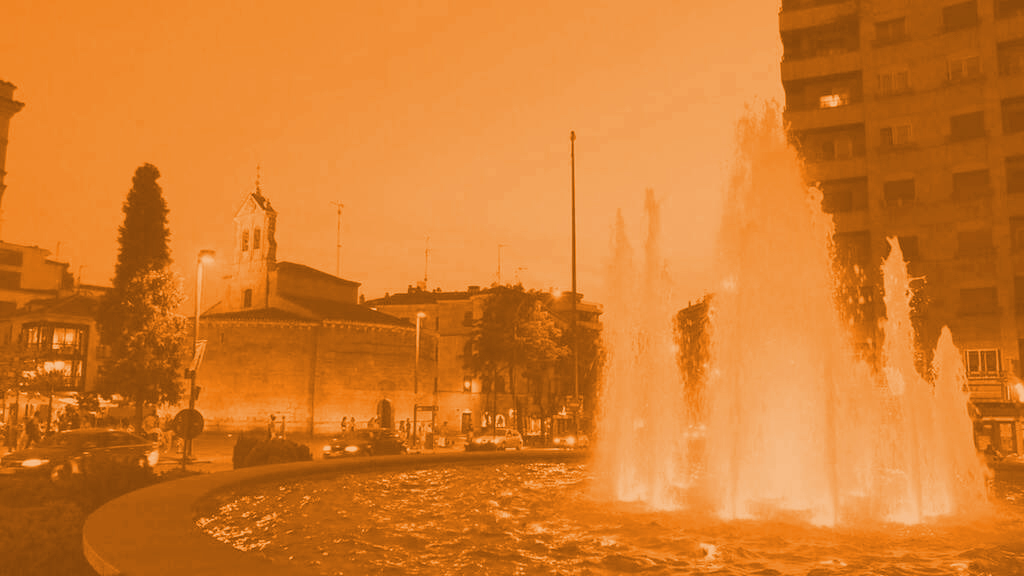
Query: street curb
[152, 531]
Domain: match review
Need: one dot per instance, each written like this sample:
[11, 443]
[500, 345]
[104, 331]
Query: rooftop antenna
[337, 260]
[426, 261]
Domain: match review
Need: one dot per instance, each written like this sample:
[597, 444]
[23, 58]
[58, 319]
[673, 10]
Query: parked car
[571, 441]
[365, 442]
[499, 440]
[81, 451]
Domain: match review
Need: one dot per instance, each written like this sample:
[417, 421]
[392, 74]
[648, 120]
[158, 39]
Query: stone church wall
[254, 369]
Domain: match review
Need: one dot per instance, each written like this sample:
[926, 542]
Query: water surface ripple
[542, 518]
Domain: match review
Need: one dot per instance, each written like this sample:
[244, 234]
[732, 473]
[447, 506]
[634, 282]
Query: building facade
[291, 341]
[909, 115]
[465, 399]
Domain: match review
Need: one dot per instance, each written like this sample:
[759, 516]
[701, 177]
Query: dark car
[81, 451]
[365, 443]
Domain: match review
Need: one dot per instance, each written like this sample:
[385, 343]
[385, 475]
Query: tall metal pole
[192, 381]
[572, 317]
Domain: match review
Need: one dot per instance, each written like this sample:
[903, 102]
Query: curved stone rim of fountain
[154, 531]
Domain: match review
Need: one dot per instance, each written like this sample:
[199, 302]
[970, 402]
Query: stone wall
[297, 369]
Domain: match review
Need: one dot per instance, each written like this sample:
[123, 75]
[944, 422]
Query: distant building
[8, 108]
[463, 398]
[288, 340]
[910, 117]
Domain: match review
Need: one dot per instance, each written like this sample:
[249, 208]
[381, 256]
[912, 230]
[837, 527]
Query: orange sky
[440, 119]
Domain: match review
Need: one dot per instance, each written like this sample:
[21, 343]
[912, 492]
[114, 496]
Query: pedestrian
[344, 424]
[31, 432]
[271, 426]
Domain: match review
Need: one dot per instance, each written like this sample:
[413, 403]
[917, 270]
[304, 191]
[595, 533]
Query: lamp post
[416, 375]
[205, 257]
[572, 318]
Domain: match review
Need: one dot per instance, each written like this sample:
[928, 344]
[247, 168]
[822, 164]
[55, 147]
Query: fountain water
[643, 452]
[796, 424]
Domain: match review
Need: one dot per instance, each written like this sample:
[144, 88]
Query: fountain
[796, 424]
[813, 461]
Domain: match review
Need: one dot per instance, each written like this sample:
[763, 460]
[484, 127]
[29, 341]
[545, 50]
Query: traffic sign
[194, 423]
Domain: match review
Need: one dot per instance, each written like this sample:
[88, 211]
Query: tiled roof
[303, 270]
[74, 305]
[333, 310]
[422, 297]
[255, 314]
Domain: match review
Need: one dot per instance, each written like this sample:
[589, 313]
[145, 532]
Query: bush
[275, 451]
[243, 446]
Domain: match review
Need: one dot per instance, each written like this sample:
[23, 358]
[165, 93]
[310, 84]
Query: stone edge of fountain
[154, 531]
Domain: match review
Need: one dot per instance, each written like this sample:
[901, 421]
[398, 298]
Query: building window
[893, 82]
[256, 239]
[10, 258]
[834, 143]
[467, 384]
[245, 240]
[1017, 233]
[974, 243]
[467, 318]
[67, 340]
[982, 363]
[1011, 57]
[1018, 294]
[899, 192]
[1015, 175]
[1013, 115]
[895, 136]
[844, 195]
[10, 280]
[839, 36]
[910, 249]
[834, 100]
[247, 298]
[958, 16]
[1009, 8]
[890, 31]
[963, 68]
[966, 126]
[970, 185]
[824, 91]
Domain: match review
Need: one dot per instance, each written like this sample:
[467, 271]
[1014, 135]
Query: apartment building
[909, 115]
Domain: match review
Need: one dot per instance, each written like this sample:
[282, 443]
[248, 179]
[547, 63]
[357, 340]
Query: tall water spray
[795, 424]
[641, 452]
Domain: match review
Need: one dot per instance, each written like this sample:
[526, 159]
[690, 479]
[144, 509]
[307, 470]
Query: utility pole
[337, 263]
[572, 318]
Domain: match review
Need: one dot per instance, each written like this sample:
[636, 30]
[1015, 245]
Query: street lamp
[572, 319]
[205, 257]
[416, 375]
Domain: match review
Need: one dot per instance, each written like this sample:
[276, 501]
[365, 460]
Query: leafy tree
[515, 335]
[591, 362]
[137, 318]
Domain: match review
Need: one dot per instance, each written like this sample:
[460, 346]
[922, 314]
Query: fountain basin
[153, 530]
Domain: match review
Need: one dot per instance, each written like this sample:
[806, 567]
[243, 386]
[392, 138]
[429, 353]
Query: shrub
[276, 451]
[243, 446]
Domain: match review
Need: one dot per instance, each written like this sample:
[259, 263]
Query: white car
[500, 440]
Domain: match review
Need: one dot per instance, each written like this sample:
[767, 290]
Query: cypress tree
[138, 319]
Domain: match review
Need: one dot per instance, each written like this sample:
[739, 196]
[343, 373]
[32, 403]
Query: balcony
[825, 65]
[817, 118]
[797, 14]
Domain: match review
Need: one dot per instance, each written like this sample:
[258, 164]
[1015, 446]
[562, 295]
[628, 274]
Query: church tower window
[245, 240]
[256, 239]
